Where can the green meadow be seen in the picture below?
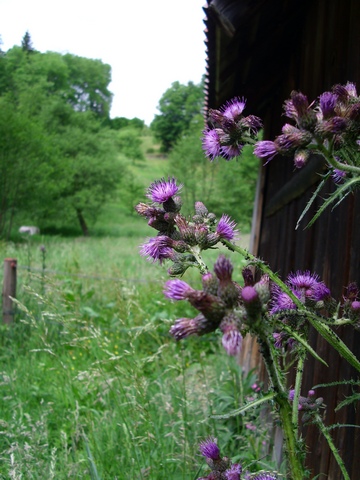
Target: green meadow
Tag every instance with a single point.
(91, 384)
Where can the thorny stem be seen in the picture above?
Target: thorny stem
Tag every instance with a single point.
(294, 449)
(202, 266)
(298, 381)
(334, 163)
(318, 421)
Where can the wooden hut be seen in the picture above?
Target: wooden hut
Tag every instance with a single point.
(262, 50)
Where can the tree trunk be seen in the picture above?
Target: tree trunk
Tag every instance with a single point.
(82, 221)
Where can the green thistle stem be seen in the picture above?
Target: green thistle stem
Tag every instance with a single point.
(298, 381)
(333, 162)
(201, 264)
(293, 447)
(320, 424)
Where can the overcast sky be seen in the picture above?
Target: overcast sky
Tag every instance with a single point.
(148, 43)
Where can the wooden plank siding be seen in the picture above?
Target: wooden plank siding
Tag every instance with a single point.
(263, 51)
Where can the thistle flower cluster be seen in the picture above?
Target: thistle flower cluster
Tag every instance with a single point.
(332, 122)
(308, 405)
(229, 130)
(180, 239)
(311, 291)
(222, 304)
(351, 304)
(223, 469)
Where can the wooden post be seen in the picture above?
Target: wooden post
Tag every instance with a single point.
(9, 289)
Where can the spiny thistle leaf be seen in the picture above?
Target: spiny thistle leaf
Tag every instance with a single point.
(335, 341)
(313, 197)
(239, 411)
(340, 194)
(303, 342)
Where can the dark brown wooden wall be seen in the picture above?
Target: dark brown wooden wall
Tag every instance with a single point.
(279, 46)
(328, 53)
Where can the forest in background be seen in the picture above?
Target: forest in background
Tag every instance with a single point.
(63, 160)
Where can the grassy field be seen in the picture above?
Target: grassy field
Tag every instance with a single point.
(92, 386)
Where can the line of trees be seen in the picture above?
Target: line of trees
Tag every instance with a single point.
(59, 150)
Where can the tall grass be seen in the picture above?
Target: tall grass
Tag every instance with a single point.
(91, 384)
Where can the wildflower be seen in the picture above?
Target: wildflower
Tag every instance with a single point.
(210, 283)
(309, 284)
(209, 449)
(300, 158)
(223, 268)
(292, 138)
(262, 288)
(355, 306)
(234, 108)
(177, 289)
(327, 102)
(297, 106)
(266, 149)
(162, 190)
(281, 300)
(334, 125)
(234, 472)
(184, 327)
(248, 276)
(157, 249)
(338, 175)
(211, 143)
(200, 209)
(231, 151)
(232, 338)
(264, 476)
(278, 339)
(253, 123)
(226, 228)
(252, 302)
(228, 290)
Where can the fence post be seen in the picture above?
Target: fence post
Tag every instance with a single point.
(9, 289)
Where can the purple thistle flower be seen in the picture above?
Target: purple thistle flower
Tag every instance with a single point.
(234, 472)
(231, 151)
(278, 339)
(300, 103)
(281, 301)
(338, 175)
(320, 292)
(223, 268)
(334, 125)
(249, 295)
(210, 283)
(351, 89)
(302, 280)
(291, 138)
(211, 143)
(266, 149)
(253, 123)
(226, 228)
(308, 283)
(291, 395)
(355, 306)
(328, 102)
(209, 449)
(162, 190)
(232, 338)
(184, 327)
(252, 302)
(177, 289)
(300, 158)
(234, 108)
(157, 248)
(265, 476)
